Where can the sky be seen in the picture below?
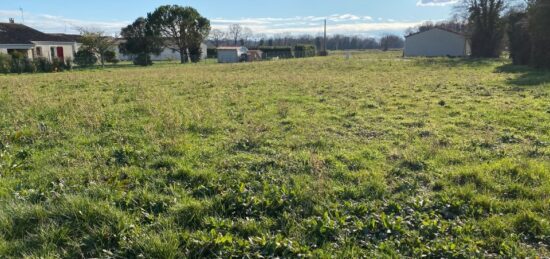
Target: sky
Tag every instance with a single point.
(350, 17)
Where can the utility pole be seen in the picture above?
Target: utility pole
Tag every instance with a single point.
(325, 38)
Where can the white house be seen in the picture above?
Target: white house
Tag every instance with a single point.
(166, 54)
(33, 44)
(436, 42)
(232, 54)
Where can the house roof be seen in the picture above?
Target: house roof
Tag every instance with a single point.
(14, 33)
(68, 37)
(230, 48)
(436, 28)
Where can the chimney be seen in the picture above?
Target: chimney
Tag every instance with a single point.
(12, 20)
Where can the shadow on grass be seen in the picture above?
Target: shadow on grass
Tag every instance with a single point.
(127, 64)
(456, 62)
(525, 76)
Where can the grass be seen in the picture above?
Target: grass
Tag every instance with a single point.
(322, 157)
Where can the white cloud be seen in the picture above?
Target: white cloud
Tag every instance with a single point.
(337, 24)
(436, 2)
(58, 24)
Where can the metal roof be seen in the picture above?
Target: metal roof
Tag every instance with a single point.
(436, 28)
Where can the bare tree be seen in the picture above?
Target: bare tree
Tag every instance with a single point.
(235, 31)
(246, 35)
(97, 42)
(217, 36)
(391, 42)
(454, 25)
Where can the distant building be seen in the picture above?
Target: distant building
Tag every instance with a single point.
(232, 54)
(31, 43)
(436, 42)
(254, 55)
(166, 54)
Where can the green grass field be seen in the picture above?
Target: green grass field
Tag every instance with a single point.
(320, 157)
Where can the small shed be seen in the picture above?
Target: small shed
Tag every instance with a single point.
(232, 54)
(436, 42)
(254, 55)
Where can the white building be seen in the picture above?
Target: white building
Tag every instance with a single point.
(232, 54)
(436, 42)
(166, 54)
(18, 38)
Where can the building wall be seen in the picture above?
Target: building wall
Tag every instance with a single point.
(68, 50)
(166, 54)
(228, 56)
(231, 55)
(435, 43)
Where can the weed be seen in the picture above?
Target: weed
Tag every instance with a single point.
(320, 157)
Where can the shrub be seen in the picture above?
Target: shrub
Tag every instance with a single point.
(29, 66)
(110, 57)
(195, 54)
(17, 65)
(43, 65)
(323, 53)
(304, 51)
(143, 60)
(85, 58)
(69, 63)
(5, 63)
(539, 18)
(17, 62)
(211, 53)
(519, 38)
(280, 52)
(58, 65)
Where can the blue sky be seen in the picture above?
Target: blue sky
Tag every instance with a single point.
(355, 17)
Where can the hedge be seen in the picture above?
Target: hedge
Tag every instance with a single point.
(21, 64)
(304, 51)
(280, 52)
(211, 53)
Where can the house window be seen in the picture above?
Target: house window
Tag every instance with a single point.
(39, 51)
(52, 53)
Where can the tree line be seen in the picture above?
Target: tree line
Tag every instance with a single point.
(181, 29)
(528, 32)
(238, 35)
(520, 26)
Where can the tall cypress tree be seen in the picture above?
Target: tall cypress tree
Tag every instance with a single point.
(518, 36)
(142, 40)
(539, 30)
(486, 27)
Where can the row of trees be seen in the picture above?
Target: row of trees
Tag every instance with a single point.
(522, 26)
(236, 34)
(452, 25)
(525, 25)
(529, 33)
(181, 29)
(240, 35)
